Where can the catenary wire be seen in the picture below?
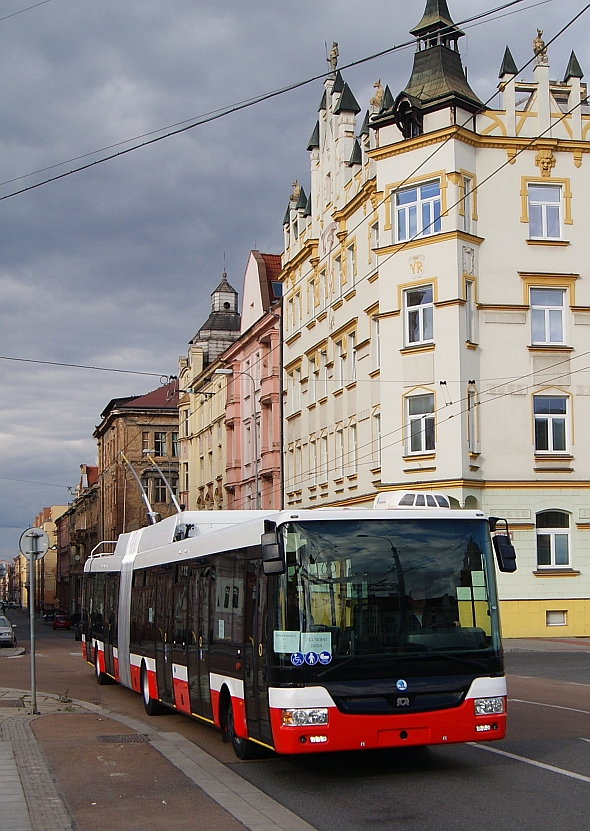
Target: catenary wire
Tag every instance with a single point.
(214, 115)
(28, 9)
(438, 148)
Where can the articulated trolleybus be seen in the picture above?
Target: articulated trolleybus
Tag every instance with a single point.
(306, 631)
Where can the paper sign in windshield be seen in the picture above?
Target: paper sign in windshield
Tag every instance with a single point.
(316, 642)
(286, 642)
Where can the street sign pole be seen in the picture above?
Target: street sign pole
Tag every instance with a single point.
(32, 569)
(33, 545)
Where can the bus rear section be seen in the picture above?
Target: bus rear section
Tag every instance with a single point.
(359, 630)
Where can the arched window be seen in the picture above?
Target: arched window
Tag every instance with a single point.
(553, 545)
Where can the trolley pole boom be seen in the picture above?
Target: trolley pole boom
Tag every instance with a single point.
(166, 482)
(151, 514)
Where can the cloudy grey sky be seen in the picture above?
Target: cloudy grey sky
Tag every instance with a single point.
(114, 266)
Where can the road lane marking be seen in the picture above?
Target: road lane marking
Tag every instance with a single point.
(553, 706)
(533, 762)
(535, 678)
(584, 740)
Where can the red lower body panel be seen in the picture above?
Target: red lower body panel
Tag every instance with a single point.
(354, 732)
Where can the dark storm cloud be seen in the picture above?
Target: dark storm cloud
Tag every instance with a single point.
(114, 266)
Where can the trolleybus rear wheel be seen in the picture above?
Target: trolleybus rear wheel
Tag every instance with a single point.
(101, 677)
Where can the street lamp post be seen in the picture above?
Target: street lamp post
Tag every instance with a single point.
(247, 374)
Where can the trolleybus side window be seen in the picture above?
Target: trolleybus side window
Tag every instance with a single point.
(97, 603)
(228, 576)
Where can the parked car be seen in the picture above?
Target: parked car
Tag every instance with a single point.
(61, 622)
(7, 636)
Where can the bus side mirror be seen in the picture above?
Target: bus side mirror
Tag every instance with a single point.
(505, 553)
(272, 560)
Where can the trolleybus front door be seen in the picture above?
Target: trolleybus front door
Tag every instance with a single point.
(164, 633)
(256, 654)
(110, 623)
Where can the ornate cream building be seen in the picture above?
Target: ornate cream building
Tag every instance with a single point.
(437, 309)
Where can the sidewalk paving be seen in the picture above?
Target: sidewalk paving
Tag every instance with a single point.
(78, 766)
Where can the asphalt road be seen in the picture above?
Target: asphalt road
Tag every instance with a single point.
(539, 777)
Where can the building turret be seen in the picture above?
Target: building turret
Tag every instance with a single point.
(222, 327)
(438, 80)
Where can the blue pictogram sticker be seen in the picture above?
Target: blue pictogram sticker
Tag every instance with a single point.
(297, 659)
(325, 657)
(401, 685)
(311, 658)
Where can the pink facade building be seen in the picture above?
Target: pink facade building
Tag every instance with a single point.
(253, 402)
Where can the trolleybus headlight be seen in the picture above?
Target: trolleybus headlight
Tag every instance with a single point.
(488, 706)
(301, 718)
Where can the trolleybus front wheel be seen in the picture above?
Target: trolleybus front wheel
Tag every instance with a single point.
(243, 748)
(152, 706)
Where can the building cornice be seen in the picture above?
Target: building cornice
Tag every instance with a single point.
(364, 194)
(511, 144)
(307, 252)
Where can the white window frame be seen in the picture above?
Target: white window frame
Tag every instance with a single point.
(420, 217)
(553, 429)
(556, 537)
(376, 337)
(313, 461)
(544, 316)
(339, 364)
(324, 466)
(339, 460)
(338, 276)
(542, 211)
(350, 265)
(312, 380)
(377, 438)
(472, 419)
(421, 427)
(353, 449)
(467, 184)
(351, 357)
(470, 320)
(422, 313)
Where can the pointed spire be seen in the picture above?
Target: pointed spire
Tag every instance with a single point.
(508, 65)
(574, 70)
(365, 128)
(388, 101)
(356, 155)
(307, 211)
(301, 200)
(347, 103)
(323, 102)
(338, 85)
(314, 140)
(287, 217)
(436, 16)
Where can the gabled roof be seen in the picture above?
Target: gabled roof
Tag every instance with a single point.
(574, 70)
(163, 398)
(347, 103)
(273, 265)
(508, 66)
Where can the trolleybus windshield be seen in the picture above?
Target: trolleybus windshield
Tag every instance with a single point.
(364, 596)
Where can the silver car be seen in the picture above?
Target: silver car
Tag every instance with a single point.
(7, 636)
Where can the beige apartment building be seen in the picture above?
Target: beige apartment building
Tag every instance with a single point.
(437, 309)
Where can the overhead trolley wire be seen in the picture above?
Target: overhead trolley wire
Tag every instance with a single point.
(232, 108)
